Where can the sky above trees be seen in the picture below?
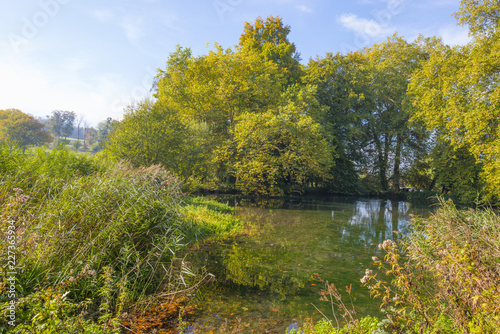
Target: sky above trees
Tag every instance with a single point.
(95, 57)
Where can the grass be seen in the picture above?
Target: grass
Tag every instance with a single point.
(95, 240)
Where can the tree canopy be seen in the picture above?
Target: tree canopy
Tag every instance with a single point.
(22, 129)
(457, 91)
(396, 114)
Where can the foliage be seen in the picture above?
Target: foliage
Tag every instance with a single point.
(104, 129)
(217, 87)
(97, 238)
(339, 84)
(10, 157)
(269, 39)
(368, 111)
(448, 170)
(385, 108)
(62, 122)
(50, 311)
(22, 129)
(457, 90)
(445, 278)
(367, 325)
(153, 134)
(278, 152)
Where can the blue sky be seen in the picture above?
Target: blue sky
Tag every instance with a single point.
(95, 57)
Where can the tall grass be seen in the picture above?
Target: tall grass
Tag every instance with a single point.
(98, 237)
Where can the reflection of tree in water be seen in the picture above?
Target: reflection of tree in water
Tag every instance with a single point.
(374, 221)
(259, 268)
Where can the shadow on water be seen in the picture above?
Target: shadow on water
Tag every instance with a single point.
(264, 279)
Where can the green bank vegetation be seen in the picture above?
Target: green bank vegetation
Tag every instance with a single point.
(89, 242)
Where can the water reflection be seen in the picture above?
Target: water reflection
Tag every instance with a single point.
(295, 239)
(378, 220)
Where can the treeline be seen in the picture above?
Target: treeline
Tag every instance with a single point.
(252, 118)
(21, 129)
(392, 117)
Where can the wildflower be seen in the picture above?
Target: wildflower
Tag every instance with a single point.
(386, 244)
(91, 272)
(71, 279)
(23, 198)
(374, 258)
(366, 278)
(293, 327)
(17, 191)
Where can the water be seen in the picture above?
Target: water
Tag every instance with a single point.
(264, 278)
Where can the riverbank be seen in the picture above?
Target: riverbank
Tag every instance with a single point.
(95, 247)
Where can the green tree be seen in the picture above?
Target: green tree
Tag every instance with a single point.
(217, 87)
(104, 129)
(62, 122)
(23, 129)
(387, 108)
(448, 169)
(269, 38)
(153, 134)
(457, 91)
(278, 152)
(368, 110)
(340, 81)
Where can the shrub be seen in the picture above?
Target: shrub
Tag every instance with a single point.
(446, 276)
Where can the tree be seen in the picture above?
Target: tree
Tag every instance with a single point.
(277, 152)
(104, 129)
(218, 87)
(457, 92)
(23, 129)
(62, 122)
(368, 110)
(80, 119)
(339, 81)
(269, 39)
(448, 170)
(387, 107)
(153, 134)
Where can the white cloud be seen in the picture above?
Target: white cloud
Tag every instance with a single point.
(305, 9)
(455, 35)
(370, 28)
(132, 26)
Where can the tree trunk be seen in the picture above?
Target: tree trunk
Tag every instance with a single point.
(397, 163)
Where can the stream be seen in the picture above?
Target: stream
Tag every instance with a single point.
(264, 278)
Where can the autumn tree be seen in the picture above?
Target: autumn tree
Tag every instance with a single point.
(278, 151)
(217, 87)
(23, 129)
